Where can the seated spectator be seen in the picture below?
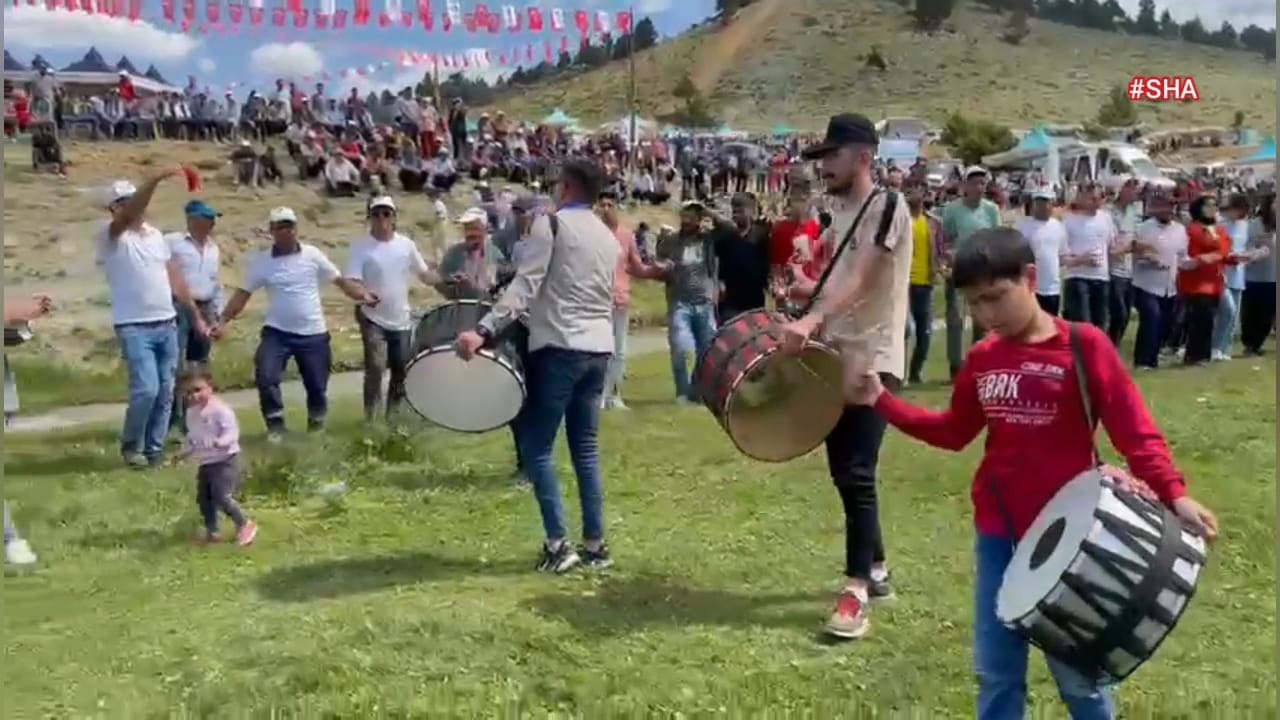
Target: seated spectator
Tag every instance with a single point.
(375, 171)
(443, 173)
(268, 168)
(412, 174)
(244, 165)
(311, 158)
(47, 151)
(341, 177)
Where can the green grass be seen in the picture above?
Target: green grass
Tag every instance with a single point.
(412, 596)
(50, 378)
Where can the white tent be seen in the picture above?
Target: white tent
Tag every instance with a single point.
(86, 80)
(622, 126)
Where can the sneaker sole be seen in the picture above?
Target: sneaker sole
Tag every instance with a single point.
(890, 597)
(567, 566)
(842, 634)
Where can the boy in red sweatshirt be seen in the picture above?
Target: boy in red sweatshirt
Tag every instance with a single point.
(1019, 385)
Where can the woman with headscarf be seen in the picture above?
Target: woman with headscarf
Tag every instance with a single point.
(1200, 279)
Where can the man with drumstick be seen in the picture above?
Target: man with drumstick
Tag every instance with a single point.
(564, 279)
(861, 311)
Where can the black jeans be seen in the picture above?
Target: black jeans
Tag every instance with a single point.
(1119, 306)
(312, 354)
(920, 305)
(1200, 312)
(384, 351)
(1257, 314)
(1155, 322)
(1049, 303)
(519, 334)
(853, 451)
(1086, 300)
(216, 485)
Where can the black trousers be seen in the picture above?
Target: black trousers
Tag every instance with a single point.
(1119, 308)
(1086, 300)
(1049, 303)
(1200, 312)
(853, 452)
(1257, 314)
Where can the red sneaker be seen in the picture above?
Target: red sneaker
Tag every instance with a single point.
(849, 619)
(246, 534)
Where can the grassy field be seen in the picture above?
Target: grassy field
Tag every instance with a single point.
(412, 596)
(48, 247)
(799, 61)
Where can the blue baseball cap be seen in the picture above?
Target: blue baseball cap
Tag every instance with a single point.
(200, 208)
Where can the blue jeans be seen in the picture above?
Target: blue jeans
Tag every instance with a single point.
(1224, 324)
(1155, 323)
(1086, 300)
(919, 324)
(312, 355)
(150, 352)
(564, 386)
(192, 349)
(1000, 654)
(689, 330)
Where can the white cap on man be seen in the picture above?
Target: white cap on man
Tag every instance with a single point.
(382, 201)
(283, 215)
(1043, 193)
(473, 215)
(975, 171)
(118, 191)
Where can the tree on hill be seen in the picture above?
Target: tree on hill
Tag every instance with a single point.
(1017, 29)
(684, 88)
(971, 139)
(930, 14)
(1146, 23)
(1260, 41)
(1226, 36)
(1193, 32)
(1118, 110)
(1169, 27)
(646, 35)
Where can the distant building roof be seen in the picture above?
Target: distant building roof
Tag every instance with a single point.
(11, 63)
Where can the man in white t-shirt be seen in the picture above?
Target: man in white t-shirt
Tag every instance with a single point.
(145, 283)
(292, 273)
(385, 262)
(1048, 240)
(1126, 213)
(1086, 290)
(197, 257)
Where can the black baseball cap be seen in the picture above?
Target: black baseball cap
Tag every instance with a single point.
(843, 129)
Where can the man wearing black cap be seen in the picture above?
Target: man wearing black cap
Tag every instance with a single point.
(861, 311)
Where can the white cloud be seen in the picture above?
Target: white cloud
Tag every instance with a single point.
(206, 65)
(398, 78)
(1239, 13)
(652, 7)
(36, 28)
(286, 60)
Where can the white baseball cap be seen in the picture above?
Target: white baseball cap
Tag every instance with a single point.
(283, 215)
(382, 201)
(975, 170)
(1043, 194)
(472, 215)
(118, 191)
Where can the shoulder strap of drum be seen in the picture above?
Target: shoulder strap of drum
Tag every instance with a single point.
(555, 225)
(1082, 384)
(835, 256)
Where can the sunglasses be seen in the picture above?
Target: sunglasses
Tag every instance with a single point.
(381, 214)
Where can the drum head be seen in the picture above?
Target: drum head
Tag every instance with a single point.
(785, 406)
(473, 396)
(1049, 546)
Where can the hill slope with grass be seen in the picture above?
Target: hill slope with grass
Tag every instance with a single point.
(798, 61)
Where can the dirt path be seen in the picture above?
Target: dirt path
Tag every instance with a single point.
(742, 34)
(342, 385)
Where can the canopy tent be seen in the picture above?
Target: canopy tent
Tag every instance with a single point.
(1265, 153)
(11, 63)
(92, 62)
(1037, 143)
(622, 126)
(559, 118)
(153, 74)
(93, 81)
(782, 130)
(126, 65)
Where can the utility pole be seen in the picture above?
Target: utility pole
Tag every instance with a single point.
(631, 91)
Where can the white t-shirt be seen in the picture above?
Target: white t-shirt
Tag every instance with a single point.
(199, 265)
(1048, 240)
(1157, 273)
(387, 268)
(293, 288)
(1090, 235)
(136, 265)
(1126, 222)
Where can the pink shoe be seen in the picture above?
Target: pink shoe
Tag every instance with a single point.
(246, 534)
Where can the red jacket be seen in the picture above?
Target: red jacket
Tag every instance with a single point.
(1026, 397)
(1205, 279)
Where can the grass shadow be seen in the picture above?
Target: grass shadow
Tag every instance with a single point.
(362, 575)
(147, 540)
(634, 604)
(416, 479)
(63, 463)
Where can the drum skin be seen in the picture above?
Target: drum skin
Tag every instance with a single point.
(774, 407)
(473, 396)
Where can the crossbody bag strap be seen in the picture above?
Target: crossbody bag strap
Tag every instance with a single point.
(1082, 384)
(844, 243)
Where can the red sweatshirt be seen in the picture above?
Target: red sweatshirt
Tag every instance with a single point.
(1026, 397)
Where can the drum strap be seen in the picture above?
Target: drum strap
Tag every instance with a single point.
(1082, 383)
(886, 219)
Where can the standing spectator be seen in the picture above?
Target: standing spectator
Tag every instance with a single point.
(1258, 302)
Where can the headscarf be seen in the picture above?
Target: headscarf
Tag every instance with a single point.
(1196, 210)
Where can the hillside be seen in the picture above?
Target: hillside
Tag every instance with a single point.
(797, 61)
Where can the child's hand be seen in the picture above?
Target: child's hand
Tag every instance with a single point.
(1198, 517)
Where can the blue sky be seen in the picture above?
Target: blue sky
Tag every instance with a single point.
(254, 60)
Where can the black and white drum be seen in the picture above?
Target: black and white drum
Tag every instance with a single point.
(1101, 578)
(473, 396)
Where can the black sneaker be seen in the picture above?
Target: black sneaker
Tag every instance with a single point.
(597, 559)
(558, 561)
(880, 589)
(315, 425)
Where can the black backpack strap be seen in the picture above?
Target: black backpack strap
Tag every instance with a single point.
(555, 225)
(839, 250)
(886, 218)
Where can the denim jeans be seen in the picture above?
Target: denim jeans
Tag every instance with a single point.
(384, 350)
(564, 386)
(955, 327)
(150, 352)
(1119, 307)
(920, 316)
(312, 355)
(1000, 654)
(618, 362)
(191, 349)
(1086, 300)
(1155, 322)
(689, 330)
(1224, 324)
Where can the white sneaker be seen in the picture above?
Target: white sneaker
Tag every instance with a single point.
(18, 552)
(1219, 356)
(615, 403)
